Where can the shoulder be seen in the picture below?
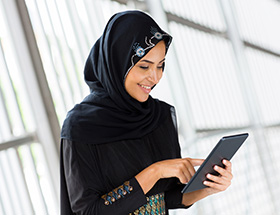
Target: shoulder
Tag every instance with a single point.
(170, 111)
(166, 105)
(168, 108)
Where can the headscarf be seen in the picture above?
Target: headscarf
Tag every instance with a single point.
(109, 113)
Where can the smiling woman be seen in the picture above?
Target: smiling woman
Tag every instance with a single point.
(119, 150)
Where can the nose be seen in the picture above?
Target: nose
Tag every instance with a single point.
(155, 76)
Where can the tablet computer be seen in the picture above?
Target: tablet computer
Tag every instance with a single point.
(225, 149)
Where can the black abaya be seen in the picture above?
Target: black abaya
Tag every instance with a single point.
(92, 170)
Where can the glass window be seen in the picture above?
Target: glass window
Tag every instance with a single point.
(25, 182)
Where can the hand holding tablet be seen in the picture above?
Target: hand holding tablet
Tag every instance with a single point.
(225, 149)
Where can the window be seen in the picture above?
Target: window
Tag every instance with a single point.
(222, 76)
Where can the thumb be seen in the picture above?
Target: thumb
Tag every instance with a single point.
(196, 161)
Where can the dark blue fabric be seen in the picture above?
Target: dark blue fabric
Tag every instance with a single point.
(109, 113)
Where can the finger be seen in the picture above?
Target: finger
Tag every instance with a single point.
(191, 171)
(219, 180)
(182, 177)
(214, 178)
(228, 165)
(223, 172)
(188, 176)
(188, 171)
(215, 186)
(182, 172)
(189, 167)
(196, 161)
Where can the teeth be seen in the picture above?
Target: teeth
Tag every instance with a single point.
(146, 87)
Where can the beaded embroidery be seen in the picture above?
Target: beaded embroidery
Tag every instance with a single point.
(138, 49)
(155, 205)
(156, 34)
(117, 193)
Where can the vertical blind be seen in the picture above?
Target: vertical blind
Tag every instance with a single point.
(65, 32)
(218, 103)
(24, 177)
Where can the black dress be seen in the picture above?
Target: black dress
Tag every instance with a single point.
(94, 175)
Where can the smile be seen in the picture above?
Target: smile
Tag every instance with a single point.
(146, 87)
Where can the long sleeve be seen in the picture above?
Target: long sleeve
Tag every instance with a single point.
(86, 190)
(173, 197)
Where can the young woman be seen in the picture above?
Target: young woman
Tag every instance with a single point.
(119, 150)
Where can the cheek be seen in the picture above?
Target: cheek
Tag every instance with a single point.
(131, 80)
(160, 75)
(136, 77)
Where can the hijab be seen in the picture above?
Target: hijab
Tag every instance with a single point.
(109, 113)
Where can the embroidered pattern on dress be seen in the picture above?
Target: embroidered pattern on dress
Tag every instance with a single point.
(117, 193)
(155, 205)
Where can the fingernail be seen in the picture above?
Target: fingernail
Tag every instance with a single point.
(205, 182)
(216, 167)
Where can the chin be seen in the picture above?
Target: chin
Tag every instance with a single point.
(142, 99)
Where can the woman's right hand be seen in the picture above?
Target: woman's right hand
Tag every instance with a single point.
(182, 168)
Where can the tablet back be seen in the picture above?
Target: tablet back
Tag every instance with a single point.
(225, 149)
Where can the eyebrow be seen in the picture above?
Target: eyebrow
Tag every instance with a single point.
(147, 61)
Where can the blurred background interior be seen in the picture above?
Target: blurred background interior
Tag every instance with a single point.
(222, 75)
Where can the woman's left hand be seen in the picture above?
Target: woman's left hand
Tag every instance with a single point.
(216, 185)
(221, 182)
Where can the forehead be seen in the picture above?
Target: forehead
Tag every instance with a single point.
(157, 53)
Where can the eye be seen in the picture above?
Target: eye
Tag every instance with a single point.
(161, 66)
(144, 67)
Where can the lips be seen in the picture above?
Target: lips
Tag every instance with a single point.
(146, 89)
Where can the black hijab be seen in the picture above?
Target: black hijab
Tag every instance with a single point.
(109, 113)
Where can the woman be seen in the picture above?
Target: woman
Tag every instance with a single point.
(119, 150)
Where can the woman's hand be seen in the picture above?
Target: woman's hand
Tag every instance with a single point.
(218, 184)
(221, 182)
(182, 168)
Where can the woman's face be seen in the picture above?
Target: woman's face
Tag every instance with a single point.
(146, 73)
